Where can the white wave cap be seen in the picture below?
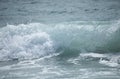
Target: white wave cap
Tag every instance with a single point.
(22, 43)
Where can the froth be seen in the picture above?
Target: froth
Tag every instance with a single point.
(24, 42)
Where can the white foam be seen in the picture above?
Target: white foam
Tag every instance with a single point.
(112, 62)
(24, 42)
(95, 55)
(105, 59)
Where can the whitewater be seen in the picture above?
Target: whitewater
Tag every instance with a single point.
(59, 39)
(67, 50)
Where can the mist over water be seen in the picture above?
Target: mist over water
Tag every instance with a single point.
(41, 39)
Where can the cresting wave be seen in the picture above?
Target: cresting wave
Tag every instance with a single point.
(35, 40)
(24, 42)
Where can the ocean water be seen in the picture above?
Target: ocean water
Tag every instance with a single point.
(53, 39)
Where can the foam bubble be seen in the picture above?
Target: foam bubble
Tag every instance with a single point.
(95, 55)
(113, 61)
(24, 42)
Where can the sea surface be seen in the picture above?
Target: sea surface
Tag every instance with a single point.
(59, 39)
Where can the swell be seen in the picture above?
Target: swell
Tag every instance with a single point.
(35, 40)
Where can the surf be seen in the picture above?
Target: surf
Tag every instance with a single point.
(36, 40)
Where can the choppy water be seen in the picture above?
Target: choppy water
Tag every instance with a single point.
(37, 42)
(55, 11)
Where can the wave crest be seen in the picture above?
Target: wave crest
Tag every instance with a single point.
(34, 40)
(19, 42)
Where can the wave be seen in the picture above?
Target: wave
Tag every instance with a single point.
(35, 40)
(24, 42)
(111, 60)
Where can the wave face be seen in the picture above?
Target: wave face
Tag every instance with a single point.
(34, 40)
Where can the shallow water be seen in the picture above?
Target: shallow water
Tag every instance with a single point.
(81, 67)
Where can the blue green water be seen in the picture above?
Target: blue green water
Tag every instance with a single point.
(75, 50)
(59, 39)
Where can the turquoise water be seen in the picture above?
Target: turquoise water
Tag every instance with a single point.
(59, 68)
(59, 39)
(70, 50)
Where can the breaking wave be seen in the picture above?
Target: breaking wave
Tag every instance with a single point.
(24, 42)
(35, 40)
